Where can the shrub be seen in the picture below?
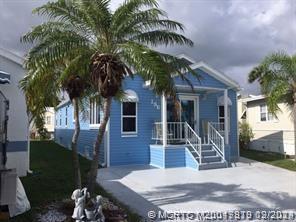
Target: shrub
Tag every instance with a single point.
(245, 135)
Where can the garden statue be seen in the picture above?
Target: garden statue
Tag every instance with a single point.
(95, 214)
(80, 198)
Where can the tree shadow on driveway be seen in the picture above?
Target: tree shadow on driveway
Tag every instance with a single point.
(216, 193)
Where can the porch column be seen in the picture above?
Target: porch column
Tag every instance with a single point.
(226, 123)
(164, 120)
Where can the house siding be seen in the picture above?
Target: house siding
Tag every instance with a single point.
(276, 135)
(157, 156)
(18, 123)
(190, 162)
(174, 157)
(85, 142)
(171, 156)
(134, 149)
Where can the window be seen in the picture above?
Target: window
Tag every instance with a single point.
(48, 120)
(66, 117)
(222, 118)
(129, 118)
(264, 114)
(60, 118)
(94, 112)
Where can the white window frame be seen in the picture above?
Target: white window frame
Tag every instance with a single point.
(60, 119)
(94, 125)
(66, 116)
(48, 118)
(273, 119)
(134, 133)
(228, 117)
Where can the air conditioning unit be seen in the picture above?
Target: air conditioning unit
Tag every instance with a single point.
(7, 186)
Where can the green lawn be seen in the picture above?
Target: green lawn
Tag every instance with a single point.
(274, 159)
(52, 179)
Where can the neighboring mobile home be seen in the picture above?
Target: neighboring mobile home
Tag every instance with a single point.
(143, 127)
(11, 72)
(49, 121)
(275, 134)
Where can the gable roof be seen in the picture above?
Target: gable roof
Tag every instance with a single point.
(11, 56)
(216, 74)
(211, 71)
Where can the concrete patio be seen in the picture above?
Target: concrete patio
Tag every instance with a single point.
(248, 185)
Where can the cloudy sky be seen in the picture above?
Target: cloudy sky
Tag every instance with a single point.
(231, 35)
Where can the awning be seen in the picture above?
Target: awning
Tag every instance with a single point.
(130, 96)
(220, 101)
(4, 77)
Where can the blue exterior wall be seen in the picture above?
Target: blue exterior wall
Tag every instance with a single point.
(190, 162)
(171, 156)
(174, 157)
(87, 137)
(134, 149)
(157, 156)
(86, 141)
(208, 109)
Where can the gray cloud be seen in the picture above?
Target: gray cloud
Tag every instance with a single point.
(231, 35)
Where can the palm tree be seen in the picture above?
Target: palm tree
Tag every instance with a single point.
(277, 77)
(42, 89)
(111, 44)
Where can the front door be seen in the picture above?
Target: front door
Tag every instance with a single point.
(189, 112)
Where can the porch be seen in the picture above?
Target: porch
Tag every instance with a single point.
(188, 141)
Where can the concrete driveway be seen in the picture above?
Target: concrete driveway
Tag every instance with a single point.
(249, 185)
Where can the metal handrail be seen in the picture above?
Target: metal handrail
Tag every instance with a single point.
(193, 140)
(217, 140)
(175, 132)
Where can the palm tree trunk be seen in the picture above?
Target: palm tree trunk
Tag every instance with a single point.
(95, 162)
(294, 119)
(75, 157)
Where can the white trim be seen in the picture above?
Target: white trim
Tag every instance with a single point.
(164, 120)
(94, 126)
(129, 134)
(229, 112)
(226, 123)
(273, 120)
(216, 74)
(11, 56)
(96, 117)
(66, 116)
(130, 96)
(183, 56)
(195, 99)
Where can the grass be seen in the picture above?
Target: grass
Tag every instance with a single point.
(52, 179)
(274, 159)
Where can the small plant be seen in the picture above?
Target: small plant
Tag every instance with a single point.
(245, 135)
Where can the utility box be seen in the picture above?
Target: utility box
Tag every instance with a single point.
(8, 186)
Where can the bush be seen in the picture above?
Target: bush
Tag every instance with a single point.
(245, 135)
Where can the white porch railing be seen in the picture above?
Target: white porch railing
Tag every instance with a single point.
(193, 140)
(178, 133)
(220, 127)
(175, 132)
(216, 139)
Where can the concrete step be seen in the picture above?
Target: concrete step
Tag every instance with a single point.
(206, 147)
(210, 159)
(213, 165)
(208, 153)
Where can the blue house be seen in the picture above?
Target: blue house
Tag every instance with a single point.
(146, 129)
